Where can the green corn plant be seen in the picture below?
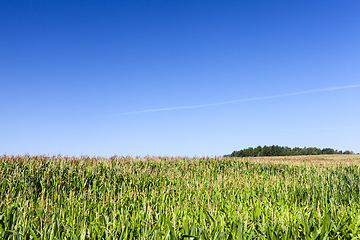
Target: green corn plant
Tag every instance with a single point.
(59, 197)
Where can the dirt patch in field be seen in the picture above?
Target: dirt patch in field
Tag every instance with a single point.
(335, 159)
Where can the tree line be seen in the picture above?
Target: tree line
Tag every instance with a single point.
(283, 151)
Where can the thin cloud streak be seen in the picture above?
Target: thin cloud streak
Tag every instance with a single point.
(241, 100)
(314, 129)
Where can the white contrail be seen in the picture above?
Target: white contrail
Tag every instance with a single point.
(241, 100)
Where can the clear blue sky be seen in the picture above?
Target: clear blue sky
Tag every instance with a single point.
(70, 69)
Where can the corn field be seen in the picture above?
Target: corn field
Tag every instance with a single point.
(59, 197)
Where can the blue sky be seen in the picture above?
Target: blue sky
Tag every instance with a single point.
(69, 70)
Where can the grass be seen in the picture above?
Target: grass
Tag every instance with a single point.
(304, 197)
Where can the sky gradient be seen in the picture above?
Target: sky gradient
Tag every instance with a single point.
(72, 71)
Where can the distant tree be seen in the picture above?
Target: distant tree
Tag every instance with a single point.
(313, 151)
(303, 151)
(328, 151)
(265, 151)
(296, 150)
(284, 151)
(257, 151)
(288, 151)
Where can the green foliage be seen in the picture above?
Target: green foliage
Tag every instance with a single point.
(175, 198)
(283, 151)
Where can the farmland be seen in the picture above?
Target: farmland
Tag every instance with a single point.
(300, 197)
